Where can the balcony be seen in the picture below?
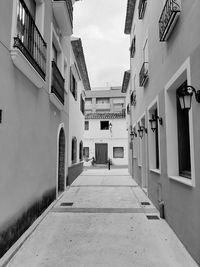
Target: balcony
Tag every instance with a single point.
(141, 8)
(57, 87)
(29, 48)
(63, 12)
(143, 75)
(168, 18)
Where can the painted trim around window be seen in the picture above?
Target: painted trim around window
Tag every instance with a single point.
(181, 74)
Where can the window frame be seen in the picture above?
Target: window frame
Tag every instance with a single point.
(74, 150)
(154, 151)
(182, 74)
(86, 128)
(73, 84)
(106, 127)
(122, 152)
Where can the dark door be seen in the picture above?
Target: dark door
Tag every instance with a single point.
(101, 153)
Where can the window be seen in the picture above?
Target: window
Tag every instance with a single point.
(82, 104)
(73, 85)
(81, 151)
(102, 101)
(86, 152)
(179, 130)
(104, 125)
(154, 154)
(74, 150)
(86, 125)
(118, 152)
(141, 8)
(183, 136)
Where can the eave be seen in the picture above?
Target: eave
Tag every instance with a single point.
(126, 80)
(129, 16)
(80, 60)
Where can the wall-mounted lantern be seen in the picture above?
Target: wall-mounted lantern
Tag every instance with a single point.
(133, 134)
(141, 131)
(153, 122)
(110, 126)
(185, 94)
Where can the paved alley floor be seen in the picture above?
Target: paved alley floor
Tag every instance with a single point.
(101, 221)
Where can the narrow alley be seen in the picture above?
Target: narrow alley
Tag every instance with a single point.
(103, 219)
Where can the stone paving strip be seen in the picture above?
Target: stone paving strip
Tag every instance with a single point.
(105, 210)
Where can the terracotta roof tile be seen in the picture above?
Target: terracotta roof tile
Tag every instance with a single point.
(105, 116)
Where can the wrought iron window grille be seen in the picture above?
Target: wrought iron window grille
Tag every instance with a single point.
(168, 18)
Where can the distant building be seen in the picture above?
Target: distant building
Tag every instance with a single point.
(105, 135)
(164, 147)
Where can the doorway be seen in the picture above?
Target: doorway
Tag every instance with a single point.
(101, 153)
(61, 162)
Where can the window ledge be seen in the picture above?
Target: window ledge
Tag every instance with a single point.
(183, 180)
(156, 171)
(56, 101)
(26, 68)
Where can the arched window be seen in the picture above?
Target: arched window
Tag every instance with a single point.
(81, 151)
(74, 150)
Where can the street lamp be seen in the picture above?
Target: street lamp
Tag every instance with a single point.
(185, 94)
(153, 122)
(141, 130)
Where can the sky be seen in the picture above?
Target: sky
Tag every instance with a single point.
(100, 25)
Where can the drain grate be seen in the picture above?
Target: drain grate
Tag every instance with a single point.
(145, 203)
(152, 217)
(66, 204)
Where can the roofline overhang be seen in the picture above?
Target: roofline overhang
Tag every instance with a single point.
(80, 60)
(129, 16)
(126, 79)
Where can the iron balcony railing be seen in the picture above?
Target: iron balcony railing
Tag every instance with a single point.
(57, 85)
(141, 8)
(69, 8)
(168, 18)
(143, 75)
(29, 40)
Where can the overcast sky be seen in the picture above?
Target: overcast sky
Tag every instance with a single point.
(100, 25)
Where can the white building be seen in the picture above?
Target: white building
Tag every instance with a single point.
(105, 135)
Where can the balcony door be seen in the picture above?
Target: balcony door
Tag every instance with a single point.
(101, 153)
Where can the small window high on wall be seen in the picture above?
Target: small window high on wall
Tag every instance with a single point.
(86, 125)
(104, 125)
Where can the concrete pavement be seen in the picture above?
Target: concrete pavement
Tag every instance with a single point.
(106, 226)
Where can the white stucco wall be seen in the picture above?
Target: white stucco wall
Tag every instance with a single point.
(117, 137)
(76, 119)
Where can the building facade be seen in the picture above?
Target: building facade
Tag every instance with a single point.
(36, 61)
(163, 137)
(105, 135)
